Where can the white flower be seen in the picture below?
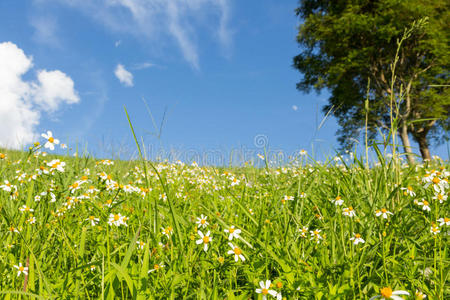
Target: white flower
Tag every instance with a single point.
(357, 239)
(265, 289)
(167, 231)
(383, 212)
(349, 212)
(443, 221)
(94, 221)
(56, 164)
(441, 197)
(260, 156)
(425, 205)
(21, 269)
(25, 208)
(236, 251)
(51, 141)
(7, 187)
(408, 191)
(234, 233)
(387, 293)
(315, 235)
(156, 267)
(304, 231)
(434, 229)
(205, 240)
(420, 295)
(202, 221)
(303, 152)
(141, 244)
(338, 201)
(117, 220)
(63, 146)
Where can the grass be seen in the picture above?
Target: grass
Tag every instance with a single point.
(156, 255)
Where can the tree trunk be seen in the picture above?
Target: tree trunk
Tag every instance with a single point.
(423, 145)
(403, 132)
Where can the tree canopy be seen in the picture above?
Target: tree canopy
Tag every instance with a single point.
(344, 44)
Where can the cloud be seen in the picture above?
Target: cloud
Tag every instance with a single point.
(157, 20)
(125, 77)
(45, 30)
(117, 43)
(294, 107)
(22, 102)
(144, 65)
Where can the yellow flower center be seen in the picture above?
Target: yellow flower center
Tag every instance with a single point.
(440, 197)
(116, 217)
(156, 267)
(202, 221)
(316, 232)
(265, 291)
(51, 139)
(425, 203)
(2, 156)
(206, 239)
(446, 220)
(386, 292)
(435, 229)
(357, 236)
(279, 284)
(237, 251)
(350, 208)
(436, 180)
(383, 210)
(410, 188)
(91, 218)
(21, 269)
(231, 230)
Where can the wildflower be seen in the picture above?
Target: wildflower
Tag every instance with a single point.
(117, 220)
(408, 191)
(265, 289)
(260, 156)
(94, 221)
(303, 231)
(205, 240)
(21, 269)
(234, 233)
(441, 197)
(303, 152)
(92, 268)
(387, 293)
(202, 221)
(51, 141)
(349, 212)
(434, 229)
(383, 212)
(425, 205)
(56, 164)
(141, 244)
(357, 239)
(2, 156)
(315, 234)
(7, 186)
(443, 221)
(167, 231)
(25, 208)
(156, 267)
(237, 252)
(419, 295)
(63, 146)
(338, 201)
(12, 229)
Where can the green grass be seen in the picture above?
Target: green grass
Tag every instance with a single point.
(68, 258)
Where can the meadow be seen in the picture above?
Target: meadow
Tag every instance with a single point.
(77, 227)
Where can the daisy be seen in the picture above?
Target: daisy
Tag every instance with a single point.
(303, 152)
(202, 221)
(383, 212)
(237, 252)
(315, 234)
(420, 295)
(434, 229)
(63, 146)
(56, 164)
(7, 186)
(260, 156)
(265, 289)
(357, 239)
(304, 231)
(338, 201)
(21, 269)
(156, 267)
(443, 221)
(94, 221)
(141, 244)
(441, 197)
(167, 231)
(408, 191)
(205, 240)
(117, 220)
(234, 232)
(425, 205)
(51, 141)
(348, 211)
(387, 293)
(25, 208)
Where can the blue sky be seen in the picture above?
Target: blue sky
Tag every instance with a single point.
(222, 69)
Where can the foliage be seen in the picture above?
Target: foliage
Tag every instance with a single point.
(346, 43)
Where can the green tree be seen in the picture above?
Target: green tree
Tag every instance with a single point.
(344, 44)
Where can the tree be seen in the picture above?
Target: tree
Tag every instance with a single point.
(346, 44)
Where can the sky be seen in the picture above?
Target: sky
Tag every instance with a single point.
(199, 79)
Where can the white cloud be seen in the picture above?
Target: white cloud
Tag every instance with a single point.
(117, 43)
(155, 20)
(22, 102)
(294, 107)
(125, 77)
(45, 30)
(144, 65)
